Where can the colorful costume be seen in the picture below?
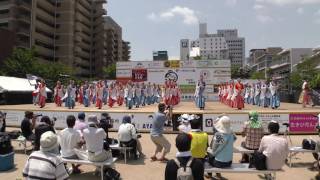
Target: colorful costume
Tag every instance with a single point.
(58, 95)
(199, 94)
(274, 101)
(42, 95)
(305, 97)
(238, 100)
(99, 95)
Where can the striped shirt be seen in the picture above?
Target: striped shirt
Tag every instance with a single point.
(44, 166)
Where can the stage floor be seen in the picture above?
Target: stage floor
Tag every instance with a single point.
(183, 107)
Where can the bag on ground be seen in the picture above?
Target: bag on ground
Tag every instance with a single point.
(5, 144)
(308, 144)
(184, 173)
(111, 174)
(258, 160)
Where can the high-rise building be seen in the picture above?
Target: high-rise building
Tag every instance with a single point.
(184, 49)
(70, 32)
(160, 55)
(126, 51)
(6, 48)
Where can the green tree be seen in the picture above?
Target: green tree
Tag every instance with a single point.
(240, 72)
(110, 71)
(197, 57)
(257, 75)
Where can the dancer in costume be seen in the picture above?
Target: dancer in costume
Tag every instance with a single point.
(71, 95)
(274, 101)
(200, 93)
(42, 94)
(112, 95)
(86, 94)
(238, 101)
(120, 94)
(230, 93)
(263, 92)
(99, 95)
(247, 94)
(149, 92)
(58, 94)
(138, 95)
(257, 90)
(129, 95)
(305, 96)
(252, 93)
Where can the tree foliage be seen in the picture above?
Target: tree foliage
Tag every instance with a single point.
(240, 72)
(257, 75)
(110, 71)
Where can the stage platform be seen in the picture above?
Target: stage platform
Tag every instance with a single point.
(287, 113)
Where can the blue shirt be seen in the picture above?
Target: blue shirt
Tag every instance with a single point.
(223, 147)
(157, 124)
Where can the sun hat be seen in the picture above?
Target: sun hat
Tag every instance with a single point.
(254, 120)
(224, 125)
(184, 118)
(48, 141)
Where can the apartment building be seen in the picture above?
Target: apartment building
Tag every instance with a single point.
(6, 48)
(126, 50)
(70, 32)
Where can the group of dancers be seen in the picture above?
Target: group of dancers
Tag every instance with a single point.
(100, 93)
(235, 94)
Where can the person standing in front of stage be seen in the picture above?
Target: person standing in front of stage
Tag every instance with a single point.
(238, 100)
(274, 101)
(305, 95)
(156, 133)
(58, 94)
(200, 94)
(42, 94)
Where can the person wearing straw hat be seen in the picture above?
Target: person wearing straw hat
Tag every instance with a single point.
(253, 133)
(46, 164)
(185, 123)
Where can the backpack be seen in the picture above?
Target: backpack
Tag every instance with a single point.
(308, 144)
(184, 173)
(5, 144)
(111, 174)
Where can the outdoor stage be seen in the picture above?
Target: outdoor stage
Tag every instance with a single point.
(300, 119)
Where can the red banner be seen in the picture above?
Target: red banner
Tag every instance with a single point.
(139, 75)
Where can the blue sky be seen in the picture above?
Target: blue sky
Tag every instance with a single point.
(160, 24)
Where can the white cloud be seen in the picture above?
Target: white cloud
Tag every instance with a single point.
(258, 7)
(188, 15)
(264, 19)
(231, 2)
(288, 2)
(300, 10)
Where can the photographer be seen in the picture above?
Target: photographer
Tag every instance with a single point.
(106, 123)
(45, 125)
(2, 122)
(28, 124)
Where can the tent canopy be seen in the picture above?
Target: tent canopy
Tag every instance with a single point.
(13, 84)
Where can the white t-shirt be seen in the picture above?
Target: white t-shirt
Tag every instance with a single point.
(126, 132)
(69, 139)
(94, 138)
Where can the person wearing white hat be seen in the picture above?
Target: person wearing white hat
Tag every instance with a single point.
(46, 164)
(222, 146)
(185, 123)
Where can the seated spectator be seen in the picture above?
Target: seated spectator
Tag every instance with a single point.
(28, 124)
(2, 122)
(253, 133)
(44, 126)
(105, 123)
(94, 138)
(127, 135)
(222, 146)
(45, 164)
(81, 122)
(183, 157)
(274, 147)
(69, 139)
(184, 123)
(199, 142)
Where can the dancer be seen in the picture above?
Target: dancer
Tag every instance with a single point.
(71, 95)
(149, 92)
(247, 94)
(305, 95)
(42, 94)
(86, 94)
(120, 94)
(112, 95)
(252, 93)
(238, 100)
(257, 90)
(275, 101)
(263, 100)
(58, 94)
(200, 93)
(99, 95)
(230, 93)
(137, 95)
(129, 95)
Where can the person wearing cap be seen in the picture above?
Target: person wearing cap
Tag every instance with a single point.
(81, 122)
(274, 147)
(105, 123)
(222, 146)
(253, 133)
(2, 122)
(157, 134)
(46, 163)
(199, 143)
(185, 123)
(127, 135)
(94, 138)
(44, 126)
(183, 157)
(28, 124)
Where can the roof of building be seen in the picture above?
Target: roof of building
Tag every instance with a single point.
(14, 84)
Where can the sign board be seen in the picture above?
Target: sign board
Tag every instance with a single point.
(303, 122)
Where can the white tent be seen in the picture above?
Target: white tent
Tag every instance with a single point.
(13, 84)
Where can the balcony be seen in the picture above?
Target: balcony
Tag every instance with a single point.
(23, 5)
(279, 63)
(23, 19)
(23, 32)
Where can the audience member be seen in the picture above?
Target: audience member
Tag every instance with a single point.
(105, 123)
(69, 139)
(157, 134)
(2, 122)
(185, 123)
(94, 138)
(44, 126)
(127, 135)
(81, 122)
(199, 142)
(274, 147)
(46, 164)
(28, 124)
(253, 133)
(184, 159)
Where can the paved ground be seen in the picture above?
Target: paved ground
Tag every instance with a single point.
(147, 170)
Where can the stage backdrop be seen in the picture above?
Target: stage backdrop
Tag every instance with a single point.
(185, 73)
